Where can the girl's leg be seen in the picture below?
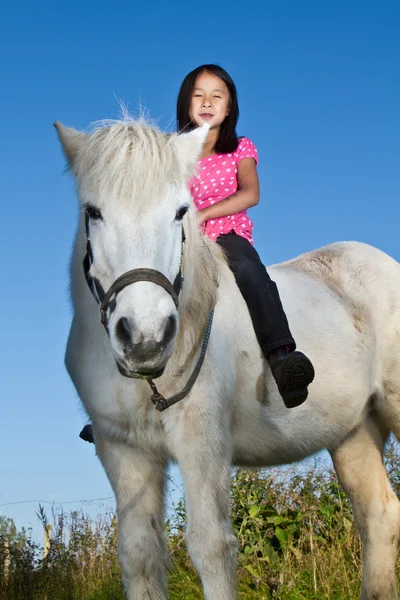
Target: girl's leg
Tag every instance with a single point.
(260, 293)
(292, 370)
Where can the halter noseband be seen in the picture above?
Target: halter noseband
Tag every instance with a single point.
(104, 299)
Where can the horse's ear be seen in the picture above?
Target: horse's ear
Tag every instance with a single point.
(71, 141)
(189, 146)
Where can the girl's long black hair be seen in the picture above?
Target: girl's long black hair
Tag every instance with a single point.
(227, 140)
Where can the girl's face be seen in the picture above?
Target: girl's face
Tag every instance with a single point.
(210, 101)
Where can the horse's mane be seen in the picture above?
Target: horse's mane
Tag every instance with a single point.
(127, 157)
(200, 268)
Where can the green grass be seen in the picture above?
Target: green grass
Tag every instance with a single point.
(297, 541)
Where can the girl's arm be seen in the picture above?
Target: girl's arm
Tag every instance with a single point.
(248, 194)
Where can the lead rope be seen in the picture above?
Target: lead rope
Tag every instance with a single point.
(159, 401)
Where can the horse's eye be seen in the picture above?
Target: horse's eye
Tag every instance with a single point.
(181, 213)
(93, 212)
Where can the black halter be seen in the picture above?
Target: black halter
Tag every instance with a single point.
(94, 284)
(107, 301)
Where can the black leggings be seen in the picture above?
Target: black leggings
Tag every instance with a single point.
(260, 293)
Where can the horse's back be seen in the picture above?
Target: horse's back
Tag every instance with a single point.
(362, 278)
(349, 283)
(334, 263)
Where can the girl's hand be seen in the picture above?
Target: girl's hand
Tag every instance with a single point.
(200, 217)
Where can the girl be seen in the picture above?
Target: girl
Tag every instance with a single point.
(224, 188)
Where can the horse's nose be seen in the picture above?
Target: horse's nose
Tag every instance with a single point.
(135, 341)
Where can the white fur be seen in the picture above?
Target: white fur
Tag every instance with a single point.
(343, 306)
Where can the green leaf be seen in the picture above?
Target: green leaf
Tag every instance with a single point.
(347, 524)
(282, 538)
(327, 510)
(252, 571)
(254, 510)
(269, 554)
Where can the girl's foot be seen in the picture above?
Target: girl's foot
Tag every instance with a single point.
(293, 372)
(87, 434)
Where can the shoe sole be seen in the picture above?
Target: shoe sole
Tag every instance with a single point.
(298, 374)
(87, 434)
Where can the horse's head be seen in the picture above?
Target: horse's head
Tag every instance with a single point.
(132, 183)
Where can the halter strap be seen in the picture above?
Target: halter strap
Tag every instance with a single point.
(143, 274)
(132, 277)
(94, 284)
(104, 299)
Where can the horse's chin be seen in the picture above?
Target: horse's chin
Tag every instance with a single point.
(145, 374)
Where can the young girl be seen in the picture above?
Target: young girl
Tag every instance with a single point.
(224, 188)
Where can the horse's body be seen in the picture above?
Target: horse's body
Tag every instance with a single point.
(343, 306)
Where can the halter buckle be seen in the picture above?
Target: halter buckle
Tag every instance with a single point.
(157, 399)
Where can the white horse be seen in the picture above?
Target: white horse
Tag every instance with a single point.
(342, 303)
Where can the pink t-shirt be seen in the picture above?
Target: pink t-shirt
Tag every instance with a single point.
(216, 179)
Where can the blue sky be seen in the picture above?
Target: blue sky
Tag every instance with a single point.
(319, 94)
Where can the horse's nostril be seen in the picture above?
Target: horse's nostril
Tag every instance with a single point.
(134, 341)
(170, 329)
(123, 331)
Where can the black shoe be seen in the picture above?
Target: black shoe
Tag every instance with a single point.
(87, 434)
(293, 372)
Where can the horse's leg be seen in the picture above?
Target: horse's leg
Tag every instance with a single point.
(204, 457)
(358, 463)
(138, 484)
